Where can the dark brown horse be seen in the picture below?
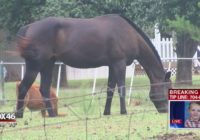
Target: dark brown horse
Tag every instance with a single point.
(109, 40)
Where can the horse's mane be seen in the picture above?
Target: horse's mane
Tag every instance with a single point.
(143, 35)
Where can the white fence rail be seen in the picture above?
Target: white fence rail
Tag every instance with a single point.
(164, 46)
(94, 74)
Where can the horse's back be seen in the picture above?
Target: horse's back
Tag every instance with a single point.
(83, 43)
(101, 40)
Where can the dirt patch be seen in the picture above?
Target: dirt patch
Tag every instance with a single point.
(186, 136)
(135, 102)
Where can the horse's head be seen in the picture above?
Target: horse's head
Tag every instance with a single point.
(159, 93)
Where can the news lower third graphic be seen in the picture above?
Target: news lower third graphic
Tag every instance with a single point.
(7, 119)
(184, 108)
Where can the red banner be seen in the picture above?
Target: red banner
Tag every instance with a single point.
(184, 94)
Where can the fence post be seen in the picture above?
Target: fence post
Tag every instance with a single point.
(131, 84)
(94, 81)
(58, 80)
(2, 94)
(22, 72)
(157, 40)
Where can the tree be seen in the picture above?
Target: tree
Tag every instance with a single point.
(182, 16)
(187, 41)
(16, 13)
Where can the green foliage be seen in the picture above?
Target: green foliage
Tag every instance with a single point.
(15, 13)
(51, 8)
(182, 8)
(184, 26)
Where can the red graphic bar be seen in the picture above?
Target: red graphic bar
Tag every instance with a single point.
(7, 120)
(184, 94)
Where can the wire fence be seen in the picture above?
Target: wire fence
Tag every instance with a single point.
(102, 72)
(84, 118)
(81, 114)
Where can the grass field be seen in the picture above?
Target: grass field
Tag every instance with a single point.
(84, 117)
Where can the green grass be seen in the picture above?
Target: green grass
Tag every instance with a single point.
(102, 83)
(84, 116)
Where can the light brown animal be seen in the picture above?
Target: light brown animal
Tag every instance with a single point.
(34, 101)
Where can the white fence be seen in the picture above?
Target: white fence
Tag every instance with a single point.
(101, 72)
(164, 46)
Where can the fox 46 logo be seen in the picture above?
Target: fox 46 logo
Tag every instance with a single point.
(7, 117)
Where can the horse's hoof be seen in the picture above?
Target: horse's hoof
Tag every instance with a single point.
(18, 115)
(106, 113)
(123, 112)
(52, 115)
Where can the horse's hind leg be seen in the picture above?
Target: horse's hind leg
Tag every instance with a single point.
(46, 79)
(110, 91)
(30, 75)
(120, 73)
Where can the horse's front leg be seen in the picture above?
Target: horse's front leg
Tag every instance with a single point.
(110, 91)
(120, 73)
(46, 79)
(29, 78)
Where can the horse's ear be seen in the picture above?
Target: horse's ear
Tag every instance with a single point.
(167, 75)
